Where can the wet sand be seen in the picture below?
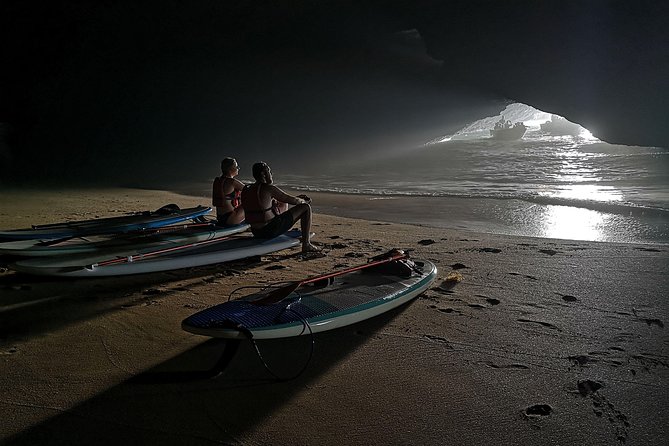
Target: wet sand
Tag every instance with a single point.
(542, 342)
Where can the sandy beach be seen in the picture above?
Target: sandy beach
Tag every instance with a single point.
(544, 341)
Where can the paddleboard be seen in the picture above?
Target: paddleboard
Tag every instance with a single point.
(341, 301)
(148, 261)
(167, 215)
(118, 244)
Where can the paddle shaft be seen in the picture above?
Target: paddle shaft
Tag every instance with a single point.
(285, 291)
(139, 257)
(138, 233)
(353, 268)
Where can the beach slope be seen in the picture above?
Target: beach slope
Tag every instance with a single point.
(531, 341)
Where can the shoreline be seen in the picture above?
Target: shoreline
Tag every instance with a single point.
(543, 340)
(505, 217)
(501, 216)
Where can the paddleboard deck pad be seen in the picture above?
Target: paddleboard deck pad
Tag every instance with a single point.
(167, 215)
(323, 306)
(197, 254)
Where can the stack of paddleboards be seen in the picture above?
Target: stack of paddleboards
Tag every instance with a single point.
(141, 221)
(135, 244)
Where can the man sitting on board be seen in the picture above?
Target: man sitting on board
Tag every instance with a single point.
(266, 208)
(226, 194)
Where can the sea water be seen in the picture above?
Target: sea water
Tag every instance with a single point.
(567, 187)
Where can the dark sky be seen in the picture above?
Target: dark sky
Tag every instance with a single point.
(122, 92)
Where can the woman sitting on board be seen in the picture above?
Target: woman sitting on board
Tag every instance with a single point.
(226, 194)
(266, 208)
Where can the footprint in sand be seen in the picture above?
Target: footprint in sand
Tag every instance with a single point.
(550, 252)
(438, 339)
(446, 310)
(587, 387)
(649, 249)
(582, 360)
(543, 324)
(538, 410)
(490, 300)
(524, 275)
(602, 407)
(354, 254)
(505, 366)
(9, 351)
(650, 322)
(493, 250)
(426, 242)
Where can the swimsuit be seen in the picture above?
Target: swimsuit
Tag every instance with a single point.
(274, 227)
(218, 198)
(254, 215)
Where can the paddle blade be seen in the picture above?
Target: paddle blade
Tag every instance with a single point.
(278, 295)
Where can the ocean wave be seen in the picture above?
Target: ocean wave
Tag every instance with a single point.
(612, 207)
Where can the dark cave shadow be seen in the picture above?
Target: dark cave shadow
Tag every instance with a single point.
(198, 411)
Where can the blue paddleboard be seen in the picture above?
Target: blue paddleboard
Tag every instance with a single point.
(167, 215)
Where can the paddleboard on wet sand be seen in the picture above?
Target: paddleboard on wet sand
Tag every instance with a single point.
(320, 306)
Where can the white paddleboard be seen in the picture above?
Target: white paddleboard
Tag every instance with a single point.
(203, 253)
(350, 298)
(119, 244)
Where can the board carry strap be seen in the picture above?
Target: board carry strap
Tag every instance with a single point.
(285, 291)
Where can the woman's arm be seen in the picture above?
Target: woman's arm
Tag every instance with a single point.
(283, 197)
(238, 185)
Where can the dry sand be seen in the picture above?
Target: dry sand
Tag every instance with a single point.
(543, 342)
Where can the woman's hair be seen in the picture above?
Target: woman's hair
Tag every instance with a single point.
(227, 164)
(259, 169)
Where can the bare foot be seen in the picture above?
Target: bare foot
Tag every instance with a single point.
(310, 248)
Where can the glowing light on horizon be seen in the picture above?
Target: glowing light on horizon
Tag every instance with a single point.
(586, 134)
(531, 117)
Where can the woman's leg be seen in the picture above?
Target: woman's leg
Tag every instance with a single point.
(236, 216)
(302, 212)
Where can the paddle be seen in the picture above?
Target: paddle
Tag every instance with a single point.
(139, 257)
(128, 235)
(283, 292)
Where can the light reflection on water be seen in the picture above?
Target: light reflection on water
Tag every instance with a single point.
(558, 188)
(590, 192)
(572, 223)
